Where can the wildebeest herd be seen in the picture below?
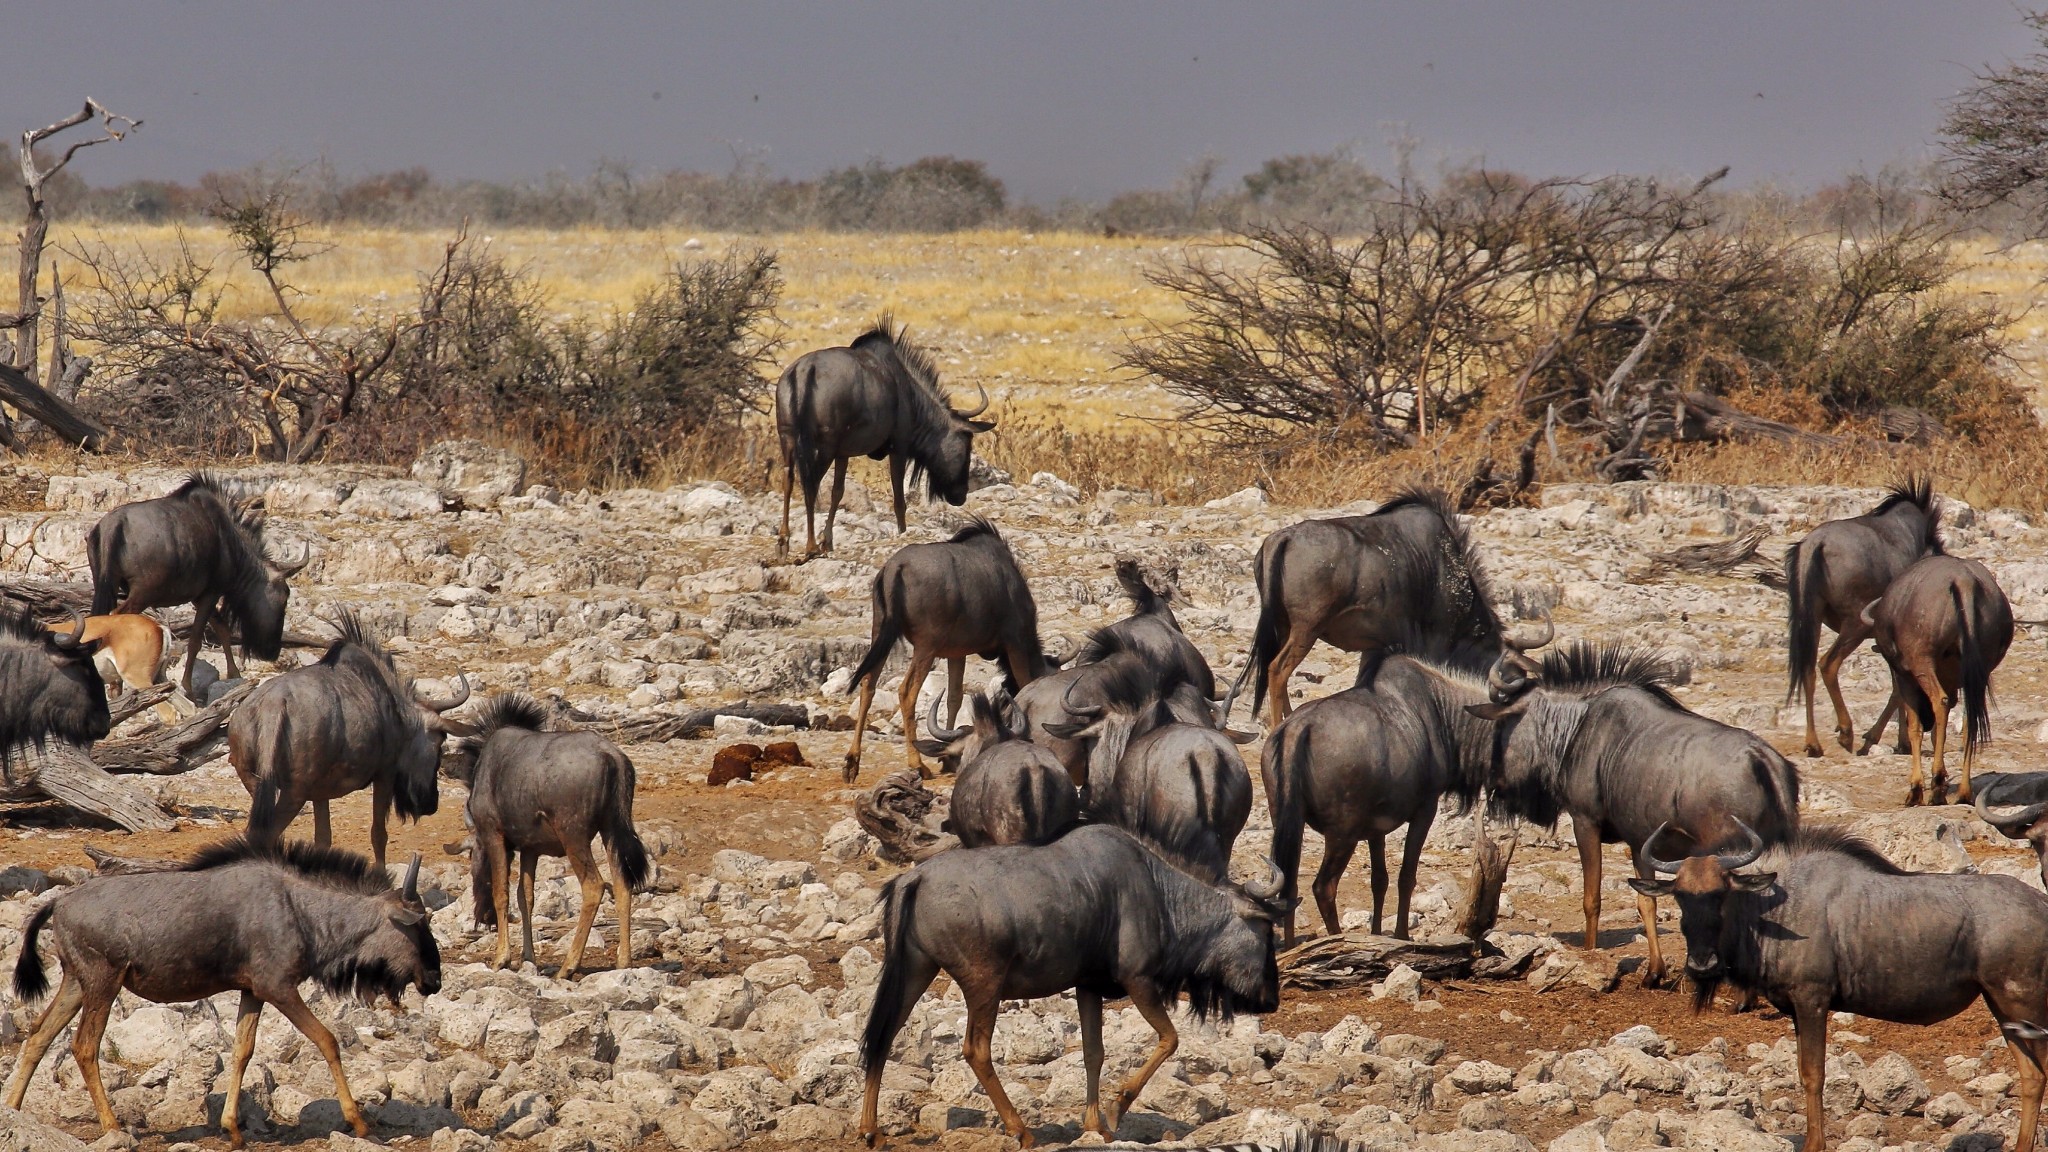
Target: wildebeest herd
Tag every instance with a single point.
(1098, 794)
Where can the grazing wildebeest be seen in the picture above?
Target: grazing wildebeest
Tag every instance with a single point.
(1832, 575)
(1009, 790)
(877, 397)
(257, 919)
(1095, 911)
(1182, 787)
(2024, 824)
(1833, 926)
(957, 598)
(1152, 632)
(194, 546)
(547, 793)
(318, 733)
(49, 686)
(1057, 709)
(131, 646)
(1943, 625)
(1405, 578)
(1593, 732)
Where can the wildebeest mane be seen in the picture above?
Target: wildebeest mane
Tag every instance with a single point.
(20, 624)
(1193, 931)
(885, 335)
(929, 413)
(1439, 502)
(1918, 491)
(511, 710)
(1102, 643)
(1839, 840)
(32, 713)
(976, 528)
(335, 868)
(354, 633)
(1584, 666)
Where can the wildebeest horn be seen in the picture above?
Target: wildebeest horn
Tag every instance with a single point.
(77, 631)
(1088, 711)
(443, 704)
(940, 731)
(978, 408)
(1747, 855)
(411, 891)
(1269, 887)
(294, 567)
(1659, 867)
(2013, 824)
(1523, 639)
(1503, 688)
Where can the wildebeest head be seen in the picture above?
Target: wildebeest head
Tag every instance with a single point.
(990, 723)
(1703, 885)
(49, 685)
(421, 762)
(952, 453)
(404, 949)
(941, 437)
(1513, 675)
(1240, 960)
(2029, 823)
(261, 588)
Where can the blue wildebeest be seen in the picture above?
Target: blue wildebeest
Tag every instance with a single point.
(2026, 822)
(238, 917)
(1095, 911)
(318, 733)
(1404, 579)
(878, 397)
(1942, 626)
(1830, 925)
(49, 685)
(1009, 790)
(960, 597)
(544, 793)
(195, 546)
(1057, 709)
(1832, 575)
(1592, 731)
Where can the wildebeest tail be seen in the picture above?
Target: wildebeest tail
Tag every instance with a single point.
(482, 887)
(31, 983)
(1780, 782)
(899, 900)
(1286, 758)
(1803, 586)
(888, 628)
(99, 551)
(620, 834)
(799, 384)
(1266, 637)
(267, 795)
(1975, 672)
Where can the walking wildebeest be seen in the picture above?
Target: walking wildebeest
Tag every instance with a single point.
(194, 546)
(258, 919)
(318, 733)
(549, 794)
(1832, 926)
(877, 397)
(1182, 787)
(1832, 575)
(1405, 578)
(49, 685)
(1095, 911)
(961, 597)
(1009, 790)
(1593, 732)
(1942, 626)
(131, 646)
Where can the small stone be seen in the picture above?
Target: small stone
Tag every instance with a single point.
(1948, 1108)
(1892, 1085)
(1483, 1115)
(1403, 986)
(1475, 1077)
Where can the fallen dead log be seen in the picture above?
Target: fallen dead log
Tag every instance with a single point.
(653, 729)
(1714, 557)
(178, 748)
(1490, 857)
(108, 864)
(1351, 959)
(128, 704)
(65, 773)
(47, 599)
(905, 818)
(30, 399)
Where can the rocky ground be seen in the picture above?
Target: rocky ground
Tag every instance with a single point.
(758, 945)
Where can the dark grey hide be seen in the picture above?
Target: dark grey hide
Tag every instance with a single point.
(2021, 802)
(1009, 790)
(49, 686)
(1362, 763)
(1831, 576)
(239, 917)
(194, 546)
(1942, 626)
(1404, 579)
(878, 397)
(1095, 911)
(1826, 924)
(351, 721)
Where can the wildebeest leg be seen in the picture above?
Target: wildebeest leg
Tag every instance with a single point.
(898, 465)
(85, 1047)
(913, 683)
(528, 861)
(1411, 859)
(286, 999)
(838, 491)
(981, 1030)
(2028, 1054)
(1915, 788)
(788, 488)
(1337, 857)
(227, 645)
(860, 727)
(1938, 784)
(1646, 906)
(70, 997)
(1810, 1021)
(380, 811)
(1146, 1001)
(622, 896)
(246, 1017)
(323, 825)
(1282, 668)
(916, 975)
(1844, 646)
(1588, 838)
(1090, 1006)
(202, 615)
(1376, 854)
(956, 681)
(498, 865)
(1876, 733)
(592, 883)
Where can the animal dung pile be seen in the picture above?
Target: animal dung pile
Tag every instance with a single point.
(746, 761)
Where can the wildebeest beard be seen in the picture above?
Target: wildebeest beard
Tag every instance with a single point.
(1703, 991)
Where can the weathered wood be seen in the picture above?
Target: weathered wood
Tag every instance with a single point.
(1714, 557)
(905, 817)
(29, 398)
(195, 741)
(654, 729)
(1351, 959)
(36, 228)
(1490, 857)
(63, 772)
(108, 864)
(51, 599)
(128, 704)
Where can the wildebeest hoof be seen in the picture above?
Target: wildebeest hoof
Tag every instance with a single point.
(1655, 978)
(1815, 751)
(852, 770)
(1914, 796)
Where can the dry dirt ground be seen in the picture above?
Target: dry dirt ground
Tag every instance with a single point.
(658, 601)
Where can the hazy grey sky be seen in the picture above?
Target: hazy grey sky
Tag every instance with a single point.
(1059, 98)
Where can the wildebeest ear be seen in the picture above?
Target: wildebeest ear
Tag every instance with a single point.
(978, 425)
(457, 727)
(1497, 711)
(931, 747)
(1651, 887)
(1064, 731)
(1753, 881)
(1237, 737)
(407, 918)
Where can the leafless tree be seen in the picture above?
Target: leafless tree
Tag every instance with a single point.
(1995, 137)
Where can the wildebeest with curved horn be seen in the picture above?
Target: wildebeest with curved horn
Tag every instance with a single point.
(960, 597)
(1832, 926)
(1942, 626)
(351, 721)
(259, 919)
(1009, 790)
(1405, 578)
(194, 546)
(1058, 709)
(544, 793)
(878, 397)
(1836, 572)
(1095, 911)
(2024, 823)
(49, 685)
(1593, 732)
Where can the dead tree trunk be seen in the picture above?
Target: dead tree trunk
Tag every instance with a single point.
(64, 772)
(36, 229)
